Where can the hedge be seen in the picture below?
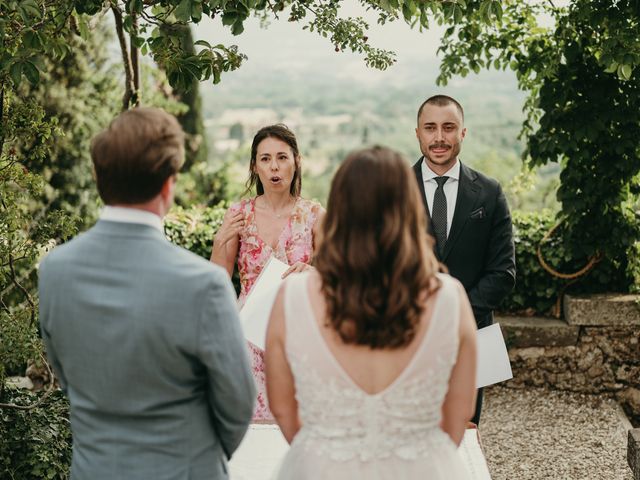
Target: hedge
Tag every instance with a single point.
(536, 290)
(535, 293)
(34, 444)
(195, 227)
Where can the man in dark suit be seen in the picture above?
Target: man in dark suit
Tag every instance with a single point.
(468, 213)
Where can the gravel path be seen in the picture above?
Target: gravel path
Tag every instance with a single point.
(539, 434)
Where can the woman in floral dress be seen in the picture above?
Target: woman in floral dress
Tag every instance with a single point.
(276, 222)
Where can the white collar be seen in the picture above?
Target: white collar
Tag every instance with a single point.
(131, 215)
(452, 173)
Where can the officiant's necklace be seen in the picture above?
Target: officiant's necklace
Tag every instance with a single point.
(273, 210)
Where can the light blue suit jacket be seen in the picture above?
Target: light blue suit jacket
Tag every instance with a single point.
(145, 340)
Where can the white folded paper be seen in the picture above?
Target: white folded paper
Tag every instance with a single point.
(254, 316)
(493, 359)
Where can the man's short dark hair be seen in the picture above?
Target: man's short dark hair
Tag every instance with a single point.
(440, 101)
(136, 154)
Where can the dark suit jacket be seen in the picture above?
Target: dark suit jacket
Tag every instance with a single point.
(479, 250)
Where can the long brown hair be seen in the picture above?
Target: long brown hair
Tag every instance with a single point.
(281, 132)
(375, 258)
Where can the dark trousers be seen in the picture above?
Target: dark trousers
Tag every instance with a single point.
(476, 416)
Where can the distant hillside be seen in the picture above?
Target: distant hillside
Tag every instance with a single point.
(335, 104)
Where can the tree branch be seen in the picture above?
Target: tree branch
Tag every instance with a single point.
(163, 16)
(6, 309)
(273, 10)
(24, 291)
(1, 117)
(15, 260)
(97, 18)
(66, 13)
(126, 59)
(9, 164)
(152, 20)
(34, 221)
(135, 63)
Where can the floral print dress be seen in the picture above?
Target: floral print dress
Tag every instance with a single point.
(295, 244)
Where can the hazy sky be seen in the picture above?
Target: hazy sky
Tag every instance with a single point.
(285, 45)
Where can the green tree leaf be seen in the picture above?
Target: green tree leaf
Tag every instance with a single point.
(183, 11)
(31, 72)
(625, 71)
(16, 73)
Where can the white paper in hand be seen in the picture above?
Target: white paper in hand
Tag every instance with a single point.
(254, 316)
(493, 359)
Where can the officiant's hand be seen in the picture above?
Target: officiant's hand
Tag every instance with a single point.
(297, 267)
(230, 228)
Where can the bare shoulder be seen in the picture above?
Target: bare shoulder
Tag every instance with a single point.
(450, 283)
(311, 206)
(276, 326)
(454, 289)
(314, 282)
(458, 285)
(467, 320)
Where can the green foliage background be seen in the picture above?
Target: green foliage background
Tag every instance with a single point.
(36, 444)
(194, 228)
(583, 83)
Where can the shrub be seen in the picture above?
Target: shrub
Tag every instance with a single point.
(36, 443)
(19, 342)
(536, 290)
(195, 227)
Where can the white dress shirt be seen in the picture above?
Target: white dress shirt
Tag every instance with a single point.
(450, 188)
(131, 215)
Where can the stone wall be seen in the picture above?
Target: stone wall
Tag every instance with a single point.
(633, 452)
(596, 349)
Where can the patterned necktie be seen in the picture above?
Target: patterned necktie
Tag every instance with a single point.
(439, 214)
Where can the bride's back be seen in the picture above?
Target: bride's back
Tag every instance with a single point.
(351, 411)
(372, 370)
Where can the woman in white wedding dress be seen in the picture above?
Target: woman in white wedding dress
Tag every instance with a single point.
(371, 358)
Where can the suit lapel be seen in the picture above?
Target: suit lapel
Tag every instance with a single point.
(465, 202)
(417, 168)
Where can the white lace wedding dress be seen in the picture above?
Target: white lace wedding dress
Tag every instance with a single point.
(350, 434)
